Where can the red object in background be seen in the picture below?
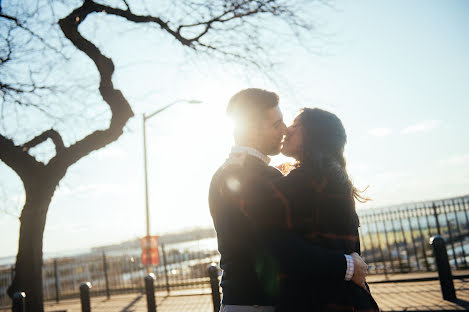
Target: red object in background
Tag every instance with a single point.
(150, 250)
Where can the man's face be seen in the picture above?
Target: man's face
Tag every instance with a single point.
(271, 131)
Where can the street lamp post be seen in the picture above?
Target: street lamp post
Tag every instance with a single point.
(147, 211)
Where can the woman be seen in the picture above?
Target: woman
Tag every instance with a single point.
(317, 201)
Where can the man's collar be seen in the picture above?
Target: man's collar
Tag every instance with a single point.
(239, 149)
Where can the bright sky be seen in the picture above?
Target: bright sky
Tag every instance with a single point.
(395, 72)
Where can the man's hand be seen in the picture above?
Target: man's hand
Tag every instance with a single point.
(360, 270)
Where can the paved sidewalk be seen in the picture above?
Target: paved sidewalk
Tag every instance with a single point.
(419, 296)
(398, 293)
(138, 303)
(408, 296)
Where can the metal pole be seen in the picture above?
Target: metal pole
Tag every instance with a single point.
(375, 222)
(213, 274)
(435, 214)
(150, 292)
(422, 239)
(444, 270)
(147, 210)
(362, 243)
(396, 243)
(427, 220)
(455, 210)
(165, 267)
(400, 215)
(464, 208)
(106, 279)
(450, 232)
(409, 220)
(85, 297)
(19, 302)
(372, 249)
(57, 285)
(384, 215)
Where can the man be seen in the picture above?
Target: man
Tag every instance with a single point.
(252, 257)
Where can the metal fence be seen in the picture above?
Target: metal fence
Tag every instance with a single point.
(393, 240)
(396, 239)
(121, 272)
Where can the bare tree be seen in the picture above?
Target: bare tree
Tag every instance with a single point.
(34, 44)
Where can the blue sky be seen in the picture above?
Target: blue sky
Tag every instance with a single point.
(395, 72)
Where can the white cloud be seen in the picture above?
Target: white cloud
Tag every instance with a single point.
(423, 126)
(380, 132)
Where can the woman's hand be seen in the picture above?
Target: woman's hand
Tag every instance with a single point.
(360, 270)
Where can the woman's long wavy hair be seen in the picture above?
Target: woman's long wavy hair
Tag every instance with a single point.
(323, 145)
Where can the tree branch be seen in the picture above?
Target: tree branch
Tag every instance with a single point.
(49, 134)
(16, 158)
(127, 5)
(32, 33)
(90, 7)
(120, 108)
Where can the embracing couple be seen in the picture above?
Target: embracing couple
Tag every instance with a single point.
(288, 237)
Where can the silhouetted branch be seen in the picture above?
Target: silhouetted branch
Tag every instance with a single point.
(16, 158)
(49, 134)
(120, 108)
(127, 5)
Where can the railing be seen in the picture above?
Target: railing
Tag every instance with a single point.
(396, 239)
(393, 240)
(120, 272)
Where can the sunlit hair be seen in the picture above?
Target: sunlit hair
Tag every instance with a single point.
(247, 108)
(323, 145)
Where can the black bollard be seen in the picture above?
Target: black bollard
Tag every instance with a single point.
(150, 292)
(18, 302)
(85, 297)
(444, 270)
(213, 274)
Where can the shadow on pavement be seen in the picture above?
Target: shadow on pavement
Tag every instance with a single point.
(132, 303)
(460, 302)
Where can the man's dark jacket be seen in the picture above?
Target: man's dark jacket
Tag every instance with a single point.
(252, 254)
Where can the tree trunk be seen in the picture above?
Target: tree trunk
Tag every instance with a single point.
(28, 270)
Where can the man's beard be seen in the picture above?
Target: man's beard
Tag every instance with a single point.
(275, 151)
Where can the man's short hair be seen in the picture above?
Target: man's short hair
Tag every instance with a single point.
(247, 107)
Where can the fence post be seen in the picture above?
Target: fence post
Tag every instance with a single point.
(85, 297)
(57, 284)
(444, 270)
(150, 292)
(435, 214)
(18, 302)
(213, 274)
(165, 267)
(108, 293)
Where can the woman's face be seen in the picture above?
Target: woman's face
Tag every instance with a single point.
(293, 141)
